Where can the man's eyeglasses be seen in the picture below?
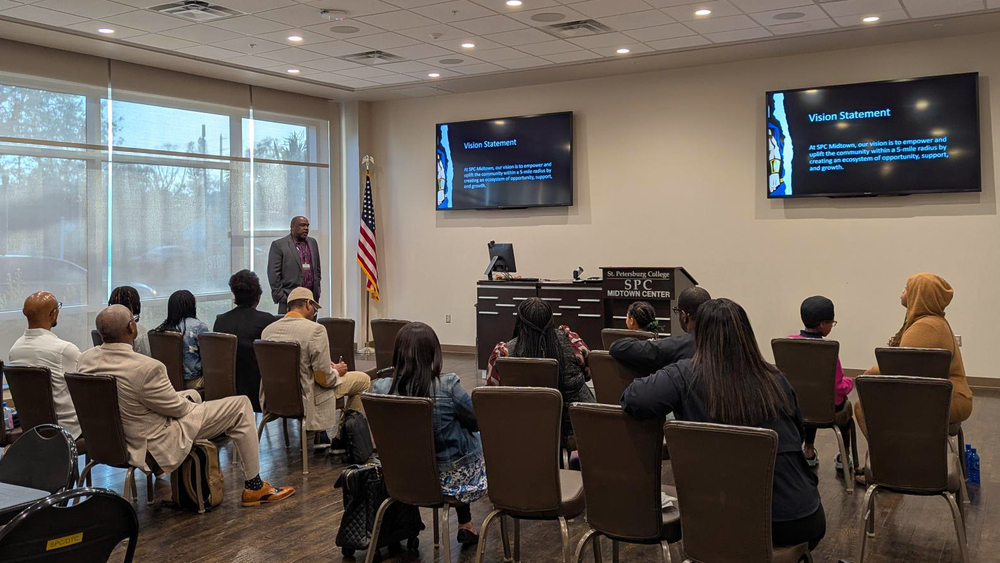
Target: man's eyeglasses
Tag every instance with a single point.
(677, 310)
(59, 305)
(833, 323)
(135, 318)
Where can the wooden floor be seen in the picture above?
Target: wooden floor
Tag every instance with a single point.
(303, 527)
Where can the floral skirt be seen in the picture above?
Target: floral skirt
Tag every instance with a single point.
(465, 478)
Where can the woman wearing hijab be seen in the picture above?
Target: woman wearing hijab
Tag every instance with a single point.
(925, 297)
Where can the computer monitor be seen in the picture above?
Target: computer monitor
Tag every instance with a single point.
(501, 258)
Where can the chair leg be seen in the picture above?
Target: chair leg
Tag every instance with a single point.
(446, 539)
(149, 488)
(597, 549)
(305, 450)
(85, 475)
(373, 547)
(581, 546)
(284, 429)
(961, 461)
(665, 547)
(517, 540)
(90, 482)
(868, 520)
(848, 478)
(564, 531)
(264, 419)
(437, 535)
(956, 514)
(614, 551)
(481, 548)
(854, 445)
(130, 493)
(506, 540)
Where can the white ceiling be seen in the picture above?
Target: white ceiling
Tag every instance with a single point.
(428, 34)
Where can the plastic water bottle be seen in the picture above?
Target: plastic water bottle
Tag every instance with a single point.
(965, 457)
(8, 417)
(974, 467)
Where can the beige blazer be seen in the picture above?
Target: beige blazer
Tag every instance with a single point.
(156, 418)
(319, 403)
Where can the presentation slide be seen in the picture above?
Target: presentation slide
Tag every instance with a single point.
(896, 137)
(505, 163)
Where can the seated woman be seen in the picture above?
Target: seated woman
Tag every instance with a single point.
(182, 317)
(925, 297)
(416, 358)
(728, 382)
(536, 336)
(129, 297)
(642, 316)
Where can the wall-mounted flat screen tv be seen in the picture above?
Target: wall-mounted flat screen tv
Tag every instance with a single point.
(504, 163)
(879, 138)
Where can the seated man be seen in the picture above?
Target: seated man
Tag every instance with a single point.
(164, 423)
(650, 356)
(247, 324)
(322, 380)
(40, 347)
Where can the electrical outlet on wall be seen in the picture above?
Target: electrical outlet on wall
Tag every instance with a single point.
(958, 338)
(447, 319)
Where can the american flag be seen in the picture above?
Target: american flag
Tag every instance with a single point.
(367, 255)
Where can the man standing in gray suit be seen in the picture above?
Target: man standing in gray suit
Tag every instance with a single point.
(293, 262)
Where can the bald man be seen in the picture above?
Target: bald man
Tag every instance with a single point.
(293, 261)
(164, 423)
(40, 347)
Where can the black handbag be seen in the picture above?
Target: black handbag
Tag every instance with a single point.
(357, 437)
(364, 491)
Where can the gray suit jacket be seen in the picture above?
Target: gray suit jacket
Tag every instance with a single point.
(284, 271)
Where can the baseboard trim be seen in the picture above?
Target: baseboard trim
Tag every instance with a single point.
(981, 382)
(459, 348)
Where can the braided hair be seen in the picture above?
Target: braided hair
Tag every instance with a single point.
(535, 332)
(645, 316)
(128, 296)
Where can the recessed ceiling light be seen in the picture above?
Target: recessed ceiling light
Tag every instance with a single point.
(514, 3)
(548, 17)
(106, 30)
(468, 45)
(434, 75)
(345, 29)
(786, 16)
(295, 38)
(294, 71)
(702, 12)
(870, 19)
(622, 51)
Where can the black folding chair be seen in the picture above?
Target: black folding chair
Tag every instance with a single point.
(42, 458)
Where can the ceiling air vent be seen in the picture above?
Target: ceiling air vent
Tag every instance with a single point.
(196, 11)
(372, 58)
(579, 28)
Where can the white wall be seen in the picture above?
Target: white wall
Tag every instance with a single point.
(681, 151)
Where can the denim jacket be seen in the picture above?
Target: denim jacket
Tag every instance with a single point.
(456, 430)
(191, 328)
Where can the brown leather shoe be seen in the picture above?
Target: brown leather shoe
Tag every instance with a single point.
(267, 493)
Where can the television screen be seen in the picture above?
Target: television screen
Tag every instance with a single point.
(895, 137)
(510, 162)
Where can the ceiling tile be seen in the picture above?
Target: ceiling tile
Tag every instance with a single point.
(604, 8)
(525, 62)
(394, 79)
(141, 3)
(720, 8)
(400, 19)
(41, 15)
(478, 68)
(284, 68)
(384, 41)
(501, 7)
(718, 25)
(495, 55)
(992, 4)
(90, 9)
(121, 32)
(161, 41)
(209, 52)
(146, 20)
(249, 45)
(421, 51)
(549, 47)
(7, 4)
(802, 27)
(296, 15)
(407, 66)
(437, 32)
(329, 65)
(492, 24)
(738, 35)
(335, 48)
(443, 72)
(926, 9)
(345, 29)
(520, 37)
(481, 44)
(678, 43)
(447, 61)
(572, 57)
(753, 6)
(853, 7)
(603, 40)
(457, 10)
(252, 61)
(567, 13)
(785, 15)
(637, 20)
(633, 48)
(410, 4)
(201, 34)
(344, 80)
(293, 55)
(354, 8)
(249, 25)
(253, 6)
(885, 16)
(282, 37)
(365, 72)
(660, 32)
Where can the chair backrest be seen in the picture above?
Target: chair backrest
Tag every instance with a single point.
(340, 334)
(611, 377)
(724, 476)
(31, 389)
(907, 423)
(95, 336)
(610, 335)
(86, 531)
(218, 364)
(916, 362)
(279, 373)
(621, 461)
(403, 428)
(521, 428)
(42, 458)
(384, 333)
(95, 398)
(810, 365)
(528, 372)
(168, 347)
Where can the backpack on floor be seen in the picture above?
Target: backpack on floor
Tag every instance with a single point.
(364, 491)
(184, 479)
(357, 437)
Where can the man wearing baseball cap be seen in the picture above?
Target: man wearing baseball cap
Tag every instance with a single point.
(323, 382)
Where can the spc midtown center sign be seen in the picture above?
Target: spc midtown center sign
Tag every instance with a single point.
(653, 284)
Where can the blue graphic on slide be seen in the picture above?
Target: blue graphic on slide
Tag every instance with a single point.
(779, 148)
(445, 170)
